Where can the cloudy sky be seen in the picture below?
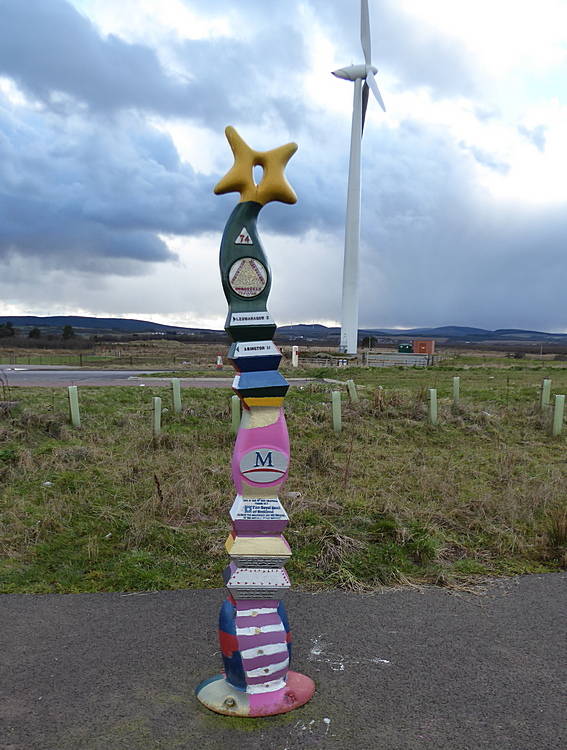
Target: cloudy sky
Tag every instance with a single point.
(111, 140)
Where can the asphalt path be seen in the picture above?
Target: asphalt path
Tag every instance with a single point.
(53, 377)
(399, 670)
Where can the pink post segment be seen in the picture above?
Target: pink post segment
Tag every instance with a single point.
(261, 456)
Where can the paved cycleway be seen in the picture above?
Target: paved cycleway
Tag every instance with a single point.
(398, 670)
(53, 377)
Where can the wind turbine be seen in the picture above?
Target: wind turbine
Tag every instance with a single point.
(358, 74)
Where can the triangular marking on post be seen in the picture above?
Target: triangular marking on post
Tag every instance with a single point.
(243, 238)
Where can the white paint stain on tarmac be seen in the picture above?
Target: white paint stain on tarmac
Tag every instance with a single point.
(313, 731)
(320, 652)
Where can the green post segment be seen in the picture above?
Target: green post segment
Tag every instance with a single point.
(433, 406)
(352, 392)
(456, 390)
(545, 392)
(156, 416)
(246, 276)
(558, 413)
(74, 406)
(235, 413)
(336, 411)
(176, 391)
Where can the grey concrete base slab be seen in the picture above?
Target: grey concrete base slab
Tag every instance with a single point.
(397, 670)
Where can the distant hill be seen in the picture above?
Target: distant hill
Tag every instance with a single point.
(314, 332)
(317, 332)
(444, 331)
(94, 325)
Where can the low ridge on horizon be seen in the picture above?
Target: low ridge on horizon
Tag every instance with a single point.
(134, 325)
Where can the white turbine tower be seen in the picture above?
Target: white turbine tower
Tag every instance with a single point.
(356, 73)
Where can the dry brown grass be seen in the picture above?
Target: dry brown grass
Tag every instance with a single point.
(390, 500)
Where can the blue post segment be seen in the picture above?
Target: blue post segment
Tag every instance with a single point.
(260, 383)
(285, 622)
(253, 364)
(231, 657)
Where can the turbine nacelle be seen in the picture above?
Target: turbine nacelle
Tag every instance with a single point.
(352, 72)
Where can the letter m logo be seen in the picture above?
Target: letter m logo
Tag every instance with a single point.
(267, 461)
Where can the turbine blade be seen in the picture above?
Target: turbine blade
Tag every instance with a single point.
(365, 31)
(364, 104)
(371, 81)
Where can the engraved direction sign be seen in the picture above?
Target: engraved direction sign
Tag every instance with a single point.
(261, 317)
(248, 277)
(252, 356)
(254, 349)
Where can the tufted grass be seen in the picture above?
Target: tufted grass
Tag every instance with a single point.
(390, 500)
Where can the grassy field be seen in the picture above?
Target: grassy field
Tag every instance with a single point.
(389, 500)
(189, 357)
(123, 355)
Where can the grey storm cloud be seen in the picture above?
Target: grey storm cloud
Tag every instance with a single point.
(53, 52)
(103, 183)
(73, 190)
(416, 53)
(47, 47)
(534, 135)
(88, 185)
(76, 183)
(488, 160)
(434, 240)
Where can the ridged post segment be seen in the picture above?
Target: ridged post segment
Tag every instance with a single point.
(254, 633)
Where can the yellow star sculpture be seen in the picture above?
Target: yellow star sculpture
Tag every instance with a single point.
(240, 178)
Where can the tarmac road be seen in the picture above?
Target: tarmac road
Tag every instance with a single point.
(53, 377)
(399, 670)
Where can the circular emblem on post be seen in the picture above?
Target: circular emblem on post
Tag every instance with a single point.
(248, 277)
(263, 465)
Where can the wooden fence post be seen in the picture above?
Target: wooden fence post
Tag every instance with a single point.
(176, 389)
(235, 413)
(336, 410)
(558, 411)
(157, 416)
(456, 390)
(433, 406)
(352, 392)
(74, 405)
